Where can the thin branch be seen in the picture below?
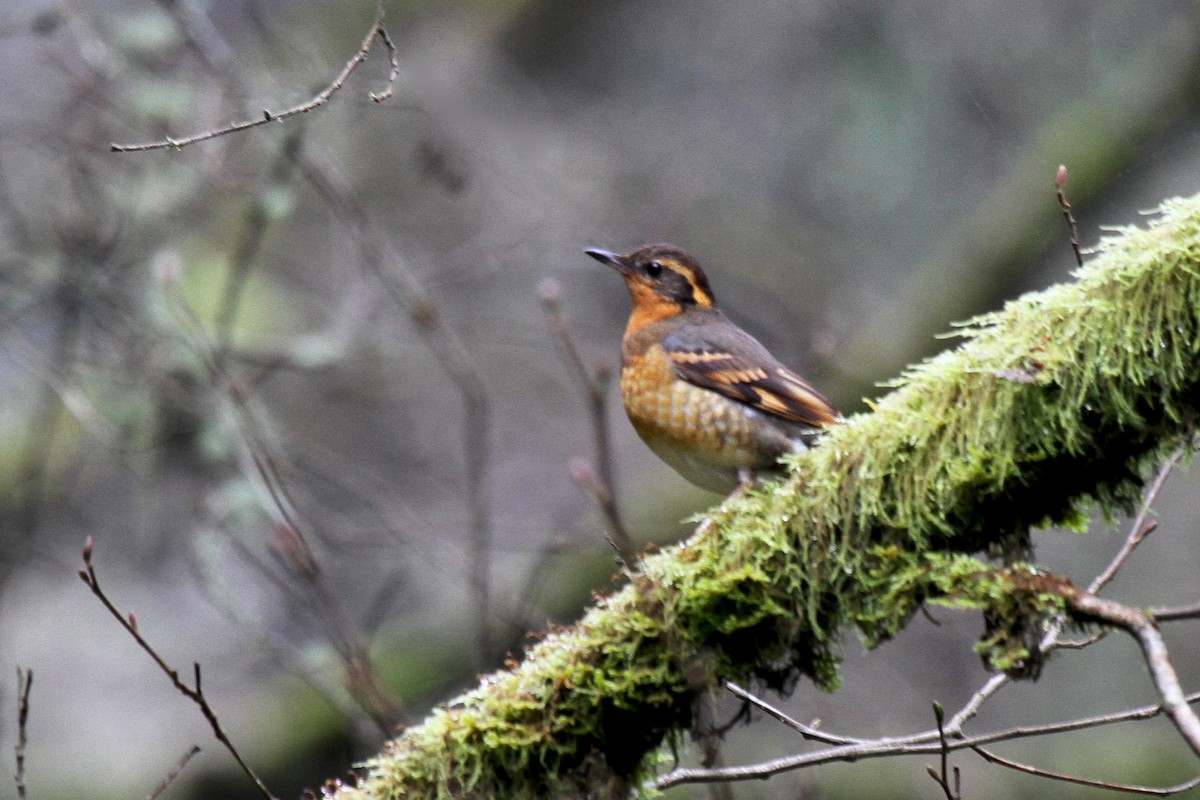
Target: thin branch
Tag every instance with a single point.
(1060, 185)
(595, 385)
(1172, 614)
(24, 685)
(318, 100)
(584, 475)
(1082, 723)
(1140, 529)
(174, 772)
(1082, 644)
(987, 691)
(1157, 658)
(393, 59)
(807, 731)
(924, 743)
(1153, 791)
(394, 273)
(1060, 182)
(942, 777)
(194, 693)
(290, 543)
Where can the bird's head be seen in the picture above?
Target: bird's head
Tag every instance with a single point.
(663, 280)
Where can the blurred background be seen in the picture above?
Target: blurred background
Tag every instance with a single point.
(300, 386)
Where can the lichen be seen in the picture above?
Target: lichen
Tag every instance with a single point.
(1051, 407)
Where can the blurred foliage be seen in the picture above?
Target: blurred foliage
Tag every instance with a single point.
(198, 345)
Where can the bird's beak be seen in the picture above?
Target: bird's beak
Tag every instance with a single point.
(611, 259)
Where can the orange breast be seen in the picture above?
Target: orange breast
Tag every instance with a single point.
(681, 421)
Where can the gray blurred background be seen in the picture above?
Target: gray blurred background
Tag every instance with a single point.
(339, 315)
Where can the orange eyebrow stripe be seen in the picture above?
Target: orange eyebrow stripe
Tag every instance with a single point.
(699, 295)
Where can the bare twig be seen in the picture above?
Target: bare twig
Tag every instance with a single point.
(346, 637)
(923, 743)
(24, 685)
(879, 748)
(1153, 791)
(584, 475)
(393, 60)
(291, 545)
(1140, 528)
(948, 735)
(1171, 614)
(942, 776)
(195, 693)
(377, 31)
(1157, 658)
(1060, 185)
(595, 392)
(1082, 644)
(394, 273)
(986, 692)
(807, 731)
(170, 777)
(1138, 531)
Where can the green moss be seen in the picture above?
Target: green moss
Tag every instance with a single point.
(1048, 408)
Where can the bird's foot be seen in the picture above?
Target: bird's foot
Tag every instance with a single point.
(746, 481)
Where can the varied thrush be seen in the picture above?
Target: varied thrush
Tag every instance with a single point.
(705, 395)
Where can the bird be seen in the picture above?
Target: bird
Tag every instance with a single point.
(704, 395)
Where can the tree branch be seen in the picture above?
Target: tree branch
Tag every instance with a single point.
(601, 482)
(1140, 528)
(173, 773)
(923, 743)
(876, 520)
(24, 686)
(318, 100)
(1175, 613)
(381, 259)
(195, 692)
(1154, 649)
(1152, 791)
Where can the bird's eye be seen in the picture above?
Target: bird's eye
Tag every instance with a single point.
(654, 269)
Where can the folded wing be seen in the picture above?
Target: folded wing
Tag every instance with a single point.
(739, 367)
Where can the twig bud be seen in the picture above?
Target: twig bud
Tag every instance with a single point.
(287, 543)
(581, 471)
(549, 291)
(1060, 177)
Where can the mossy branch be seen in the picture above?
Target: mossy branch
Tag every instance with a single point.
(1049, 408)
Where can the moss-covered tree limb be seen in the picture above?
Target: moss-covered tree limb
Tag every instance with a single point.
(1054, 405)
